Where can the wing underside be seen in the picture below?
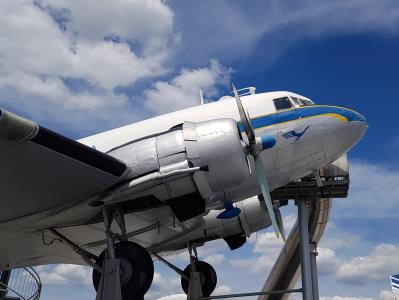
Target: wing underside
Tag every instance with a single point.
(41, 169)
(46, 175)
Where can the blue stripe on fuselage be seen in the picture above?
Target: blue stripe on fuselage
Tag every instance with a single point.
(303, 112)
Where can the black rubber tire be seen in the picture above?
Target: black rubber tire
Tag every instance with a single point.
(208, 278)
(142, 265)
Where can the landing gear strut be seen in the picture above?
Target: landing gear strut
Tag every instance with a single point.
(127, 268)
(202, 277)
(207, 274)
(198, 279)
(124, 270)
(136, 269)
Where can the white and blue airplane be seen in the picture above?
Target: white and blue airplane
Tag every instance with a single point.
(161, 184)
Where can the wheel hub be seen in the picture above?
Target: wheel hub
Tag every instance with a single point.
(125, 271)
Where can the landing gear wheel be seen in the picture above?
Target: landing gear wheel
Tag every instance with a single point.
(208, 278)
(136, 269)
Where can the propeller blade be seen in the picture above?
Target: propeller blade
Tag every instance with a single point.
(280, 222)
(259, 168)
(245, 121)
(262, 180)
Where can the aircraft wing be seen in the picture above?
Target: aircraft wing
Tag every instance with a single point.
(41, 169)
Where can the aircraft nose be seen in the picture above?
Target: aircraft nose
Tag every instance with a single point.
(358, 129)
(343, 135)
(357, 123)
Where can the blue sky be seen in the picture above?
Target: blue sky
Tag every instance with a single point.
(85, 68)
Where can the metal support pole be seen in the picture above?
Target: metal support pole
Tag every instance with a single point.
(110, 284)
(313, 264)
(194, 286)
(88, 257)
(306, 272)
(173, 267)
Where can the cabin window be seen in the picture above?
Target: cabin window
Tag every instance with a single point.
(282, 103)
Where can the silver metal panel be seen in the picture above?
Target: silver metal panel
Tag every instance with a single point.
(141, 156)
(221, 150)
(254, 214)
(170, 143)
(172, 159)
(202, 184)
(192, 152)
(189, 131)
(253, 217)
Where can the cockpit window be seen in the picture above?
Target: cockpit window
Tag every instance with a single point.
(296, 101)
(301, 102)
(282, 103)
(306, 102)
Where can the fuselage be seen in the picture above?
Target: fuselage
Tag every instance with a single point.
(308, 136)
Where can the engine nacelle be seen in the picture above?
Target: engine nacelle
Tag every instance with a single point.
(253, 217)
(234, 231)
(215, 146)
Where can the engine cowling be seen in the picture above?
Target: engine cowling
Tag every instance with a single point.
(234, 231)
(253, 217)
(213, 147)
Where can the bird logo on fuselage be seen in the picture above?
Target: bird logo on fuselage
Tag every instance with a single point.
(294, 134)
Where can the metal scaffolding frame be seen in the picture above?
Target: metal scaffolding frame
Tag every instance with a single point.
(308, 255)
(312, 192)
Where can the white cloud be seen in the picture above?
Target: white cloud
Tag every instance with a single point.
(162, 286)
(63, 62)
(372, 194)
(344, 240)
(174, 297)
(74, 53)
(255, 264)
(211, 248)
(57, 66)
(266, 242)
(266, 249)
(64, 274)
(386, 295)
(377, 266)
(129, 20)
(327, 261)
(211, 252)
(182, 91)
(214, 259)
(237, 29)
(373, 267)
(222, 290)
(345, 298)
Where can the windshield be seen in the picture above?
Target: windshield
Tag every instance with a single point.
(282, 103)
(301, 102)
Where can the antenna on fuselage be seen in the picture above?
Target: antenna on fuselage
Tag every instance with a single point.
(201, 97)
